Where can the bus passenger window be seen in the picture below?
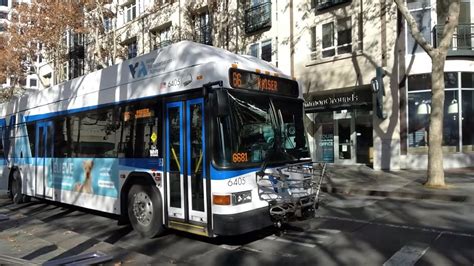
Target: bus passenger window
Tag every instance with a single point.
(1, 143)
(97, 134)
(31, 129)
(140, 134)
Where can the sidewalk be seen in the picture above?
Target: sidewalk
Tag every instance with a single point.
(364, 181)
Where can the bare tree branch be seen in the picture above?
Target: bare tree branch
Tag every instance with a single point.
(413, 25)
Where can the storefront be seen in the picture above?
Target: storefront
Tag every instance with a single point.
(341, 128)
(458, 136)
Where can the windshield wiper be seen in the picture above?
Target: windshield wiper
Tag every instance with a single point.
(277, 143)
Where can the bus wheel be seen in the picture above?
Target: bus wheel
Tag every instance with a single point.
(145, 210)
(15, 188)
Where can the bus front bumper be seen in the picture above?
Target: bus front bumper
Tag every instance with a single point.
(241, 223)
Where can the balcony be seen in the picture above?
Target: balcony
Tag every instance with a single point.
(463, 40)
(204, 34)
(162, 44)
(325, 4)
(258, 17)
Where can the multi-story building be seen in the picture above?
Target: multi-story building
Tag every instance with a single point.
(335, 48)
(30, 80)
(256, 27)
(5, 7)
(345, 44)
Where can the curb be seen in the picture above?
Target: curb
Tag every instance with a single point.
(4, 194)
(394, 194)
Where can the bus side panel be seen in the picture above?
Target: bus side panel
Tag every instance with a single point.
(87, 182)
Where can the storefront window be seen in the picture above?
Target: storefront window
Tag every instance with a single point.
(467, 121)
(324, 136)
(419, 109)
(467, 80)
(451, 122)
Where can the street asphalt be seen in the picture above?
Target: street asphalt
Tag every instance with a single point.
(366, 218)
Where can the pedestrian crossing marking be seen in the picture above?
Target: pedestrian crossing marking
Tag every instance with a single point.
(407, 255)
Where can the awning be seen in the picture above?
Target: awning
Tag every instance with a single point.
(346, 98)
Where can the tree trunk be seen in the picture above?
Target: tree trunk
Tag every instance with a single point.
(435, 151)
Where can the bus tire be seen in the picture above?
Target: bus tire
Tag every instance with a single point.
(15, 188)
(145, 211)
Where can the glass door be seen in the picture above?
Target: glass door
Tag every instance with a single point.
(185, 161)
(44, 154)
(196, 173)
(175, 159)
(344, 138)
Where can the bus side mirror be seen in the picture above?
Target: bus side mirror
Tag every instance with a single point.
(222, 103)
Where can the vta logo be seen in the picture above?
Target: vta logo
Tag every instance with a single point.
(141, 69)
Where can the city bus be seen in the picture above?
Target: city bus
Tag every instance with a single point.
(175, 138)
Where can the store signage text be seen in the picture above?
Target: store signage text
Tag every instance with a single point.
(333, 100)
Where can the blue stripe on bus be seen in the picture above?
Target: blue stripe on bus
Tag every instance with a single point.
(226, 174)
(32, 118)
(142, 163)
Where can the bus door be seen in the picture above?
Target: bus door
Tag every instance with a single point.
(185, 163)
(44, 154)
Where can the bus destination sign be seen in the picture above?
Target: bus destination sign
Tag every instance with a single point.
(242, 79)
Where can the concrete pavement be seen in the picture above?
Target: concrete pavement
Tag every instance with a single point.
(363, 181)
(37, 240)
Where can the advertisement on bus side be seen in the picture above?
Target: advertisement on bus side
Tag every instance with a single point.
(92, 176)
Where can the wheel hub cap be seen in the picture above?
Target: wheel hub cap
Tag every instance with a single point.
(143, 208)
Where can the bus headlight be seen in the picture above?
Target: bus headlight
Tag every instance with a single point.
(241, 197)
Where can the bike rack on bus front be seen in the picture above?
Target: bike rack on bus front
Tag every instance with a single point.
(292, 190)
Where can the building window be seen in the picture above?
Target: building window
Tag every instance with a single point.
(3, 15)
(421, 11)
(132, 49)
(262, 50)
(203, 28)
(3, 2)
(258, 16)
(163, 2)
(161, 37)
(313, 48)
(467, 110)
(108, 26)
(130, 12)
(458, 112)
(323, 4)
(76, 67)
(33, 83)
(336, 38)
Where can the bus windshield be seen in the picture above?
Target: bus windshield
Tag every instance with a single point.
(260, 128)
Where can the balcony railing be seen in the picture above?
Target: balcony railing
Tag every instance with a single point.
(204, 34)
(324, 4)
(162, 44)
(258, 17)
(462, 43)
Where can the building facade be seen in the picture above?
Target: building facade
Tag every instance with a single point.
(30, 80)
(347, 45)
(365, 81)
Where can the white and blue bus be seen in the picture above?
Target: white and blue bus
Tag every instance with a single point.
(170, 139)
